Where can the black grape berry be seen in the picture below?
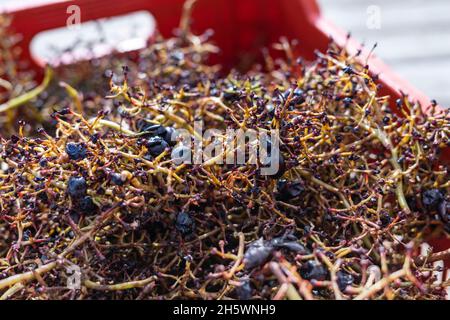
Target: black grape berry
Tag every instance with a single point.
(149, 130)
(244, 291)
(257, 253)
(385, 219)
(344, 279)
(185, 224)
(170, 135)
(290, 243)
(116, 178)
(313, 270)
(347, 101)
(297, 96)
(76, 187)
(289, 190)
(432, 198)
(156, 145)
(87, 205)
(348, 70)
(231, 94)
(152, 130)
(76, 151)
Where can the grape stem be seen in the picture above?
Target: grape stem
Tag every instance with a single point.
(24, 98)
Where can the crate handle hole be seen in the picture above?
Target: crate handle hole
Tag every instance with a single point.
(93, 39)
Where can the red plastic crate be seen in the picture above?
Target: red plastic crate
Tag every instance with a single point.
(240, 26)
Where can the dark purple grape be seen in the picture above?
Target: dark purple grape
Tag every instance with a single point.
(289, 190)
(76, 151)
(156, 145)
(76, 187)
(87, 206)
(344, 279)
(313, 270)
(244, 291)
(185, 224)
(257, 253)
(432, 198)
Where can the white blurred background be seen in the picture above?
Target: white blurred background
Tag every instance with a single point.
(413, 37)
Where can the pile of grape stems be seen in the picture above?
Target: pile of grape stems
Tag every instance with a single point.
(89, 189)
